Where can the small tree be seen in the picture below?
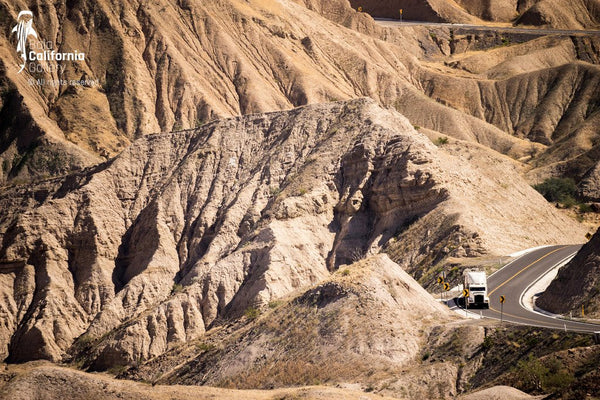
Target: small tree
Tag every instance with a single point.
(561, 190)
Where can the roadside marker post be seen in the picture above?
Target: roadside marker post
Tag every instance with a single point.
(446, 288)
(465, 293)
(502, 300)
(400, 15)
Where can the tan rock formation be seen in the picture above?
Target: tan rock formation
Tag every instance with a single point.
(102, 252)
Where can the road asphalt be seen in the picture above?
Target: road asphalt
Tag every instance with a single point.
(514, 279)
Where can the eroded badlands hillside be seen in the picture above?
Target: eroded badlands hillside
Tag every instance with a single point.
(187, 228)
(167, 65)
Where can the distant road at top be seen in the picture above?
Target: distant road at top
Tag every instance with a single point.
(535, 31)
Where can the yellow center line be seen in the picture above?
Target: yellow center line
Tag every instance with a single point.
(515, 275)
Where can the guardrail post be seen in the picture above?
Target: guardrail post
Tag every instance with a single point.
(597, 337)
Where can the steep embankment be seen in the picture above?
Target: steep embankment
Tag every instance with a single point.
(238, 213)
(577, 284)
(368, 319)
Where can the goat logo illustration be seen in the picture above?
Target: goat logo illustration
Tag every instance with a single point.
(23, 31)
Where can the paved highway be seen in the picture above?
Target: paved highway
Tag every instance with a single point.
(515, 278)
(535, 31)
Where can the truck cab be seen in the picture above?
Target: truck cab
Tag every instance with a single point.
(476, 282)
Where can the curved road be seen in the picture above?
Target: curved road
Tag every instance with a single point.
(536, 31)
(515, 278)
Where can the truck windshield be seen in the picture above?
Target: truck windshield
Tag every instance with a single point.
(477, 289)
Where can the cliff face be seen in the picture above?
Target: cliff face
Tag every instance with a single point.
(237, 213)
(577, 284)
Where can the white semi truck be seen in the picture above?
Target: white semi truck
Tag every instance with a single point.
(476, 282)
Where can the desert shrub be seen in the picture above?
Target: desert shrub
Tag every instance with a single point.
(561, 190)
(550, 377)
(274, 191)
(488, 343)
(177, 288)
(275, 303)
(442, 140)
(252, 313)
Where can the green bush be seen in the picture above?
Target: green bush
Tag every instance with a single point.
(442, 140)
(252, 313)
(562, 190)
(550, 376)
(176, 288)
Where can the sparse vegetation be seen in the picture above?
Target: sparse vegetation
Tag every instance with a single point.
(252, 313)
(562, 190)
(205, 347)
(275, 303)
(274, 191)
(549, 376)
(440, 141)
(176, 288)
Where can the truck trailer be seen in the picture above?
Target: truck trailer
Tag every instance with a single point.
(476, 281)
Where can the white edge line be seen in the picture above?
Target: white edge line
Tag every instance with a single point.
(558, 265)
